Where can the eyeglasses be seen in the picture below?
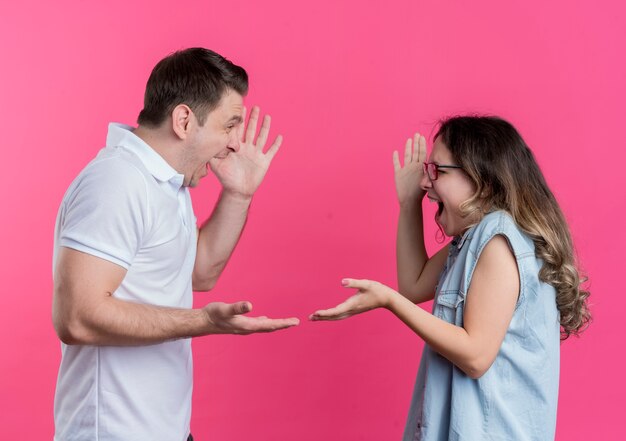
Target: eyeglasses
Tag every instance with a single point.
(432, 170)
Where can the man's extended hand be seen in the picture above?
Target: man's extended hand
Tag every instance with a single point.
(228, 318)
(243, 171)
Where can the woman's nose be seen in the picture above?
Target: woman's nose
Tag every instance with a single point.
(425, 182)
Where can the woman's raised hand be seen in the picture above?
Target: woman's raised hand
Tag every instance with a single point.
(409, 175)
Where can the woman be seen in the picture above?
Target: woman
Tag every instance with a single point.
(505, 288)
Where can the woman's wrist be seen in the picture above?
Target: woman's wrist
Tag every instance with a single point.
(388, 300)
(411, 205)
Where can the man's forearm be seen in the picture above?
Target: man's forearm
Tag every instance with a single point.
(116, 322)
(218, 237)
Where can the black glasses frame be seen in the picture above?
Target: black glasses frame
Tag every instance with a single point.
(432, 169)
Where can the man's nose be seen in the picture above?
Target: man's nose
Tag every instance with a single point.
(233, 142)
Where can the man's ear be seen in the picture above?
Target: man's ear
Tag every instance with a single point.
(182, 117)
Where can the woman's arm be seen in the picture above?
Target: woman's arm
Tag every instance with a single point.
(417, 274)
(489, 308)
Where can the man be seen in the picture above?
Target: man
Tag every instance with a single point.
(128, 253)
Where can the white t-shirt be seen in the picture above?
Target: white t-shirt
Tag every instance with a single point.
(128, 206)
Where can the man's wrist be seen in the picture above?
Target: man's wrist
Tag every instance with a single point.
(235, 196)
(208, 323)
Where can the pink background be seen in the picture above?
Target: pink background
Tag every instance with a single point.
(346, 83)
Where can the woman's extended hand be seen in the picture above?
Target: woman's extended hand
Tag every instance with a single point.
(371, 295)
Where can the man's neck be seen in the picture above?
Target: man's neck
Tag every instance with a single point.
(162, 142)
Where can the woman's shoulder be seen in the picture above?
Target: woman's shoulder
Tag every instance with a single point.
(498, 220)
(502, 223)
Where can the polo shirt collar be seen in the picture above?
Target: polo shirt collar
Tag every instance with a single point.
(121, 135)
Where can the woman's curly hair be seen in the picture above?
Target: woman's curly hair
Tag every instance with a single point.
(507, 177)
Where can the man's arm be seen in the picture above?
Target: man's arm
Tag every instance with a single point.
(85, 312)
(217, 239)
(240, 174)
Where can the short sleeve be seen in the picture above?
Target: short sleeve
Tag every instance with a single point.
(104, 212)
(493, 224)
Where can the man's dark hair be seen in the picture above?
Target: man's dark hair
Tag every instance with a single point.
(196, 77)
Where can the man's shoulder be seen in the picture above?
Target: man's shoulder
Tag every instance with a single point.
(114, 167)
(117, 162)
(113, 174)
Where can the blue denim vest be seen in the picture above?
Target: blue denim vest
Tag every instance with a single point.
(516, 399)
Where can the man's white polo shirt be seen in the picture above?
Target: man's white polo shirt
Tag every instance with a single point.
(128, 206)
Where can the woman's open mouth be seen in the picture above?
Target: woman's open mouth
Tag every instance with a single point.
(440, 206)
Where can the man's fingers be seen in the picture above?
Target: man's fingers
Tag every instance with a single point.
(240, 129)
(264, 132)
(264, 324)
(271, 152)
(252, 122)
(285, 323)
(396, 161)
(238, 308)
